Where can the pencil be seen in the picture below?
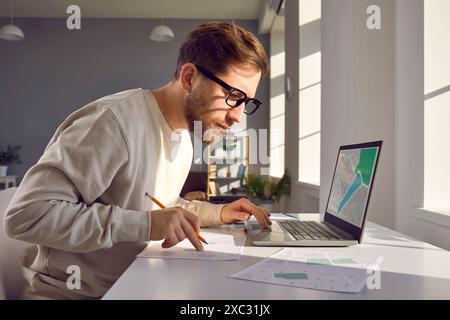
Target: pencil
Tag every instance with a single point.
(163, 207)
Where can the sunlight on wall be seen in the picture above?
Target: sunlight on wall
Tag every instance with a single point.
(437, 104)
(309, 92)
(277, 64)
(310, 10)
(277, 104)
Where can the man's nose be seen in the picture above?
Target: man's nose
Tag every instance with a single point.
(235, 114)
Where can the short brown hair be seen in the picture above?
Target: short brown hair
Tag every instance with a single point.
(215, 46)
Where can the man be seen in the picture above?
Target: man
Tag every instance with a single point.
(83, 204)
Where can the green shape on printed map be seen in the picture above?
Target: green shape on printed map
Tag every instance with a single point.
(291, 275)
(344, 261)
(318, 261)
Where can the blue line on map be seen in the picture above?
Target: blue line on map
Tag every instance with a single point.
(357, 182)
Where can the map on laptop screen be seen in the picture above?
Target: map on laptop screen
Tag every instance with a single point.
(352, 183)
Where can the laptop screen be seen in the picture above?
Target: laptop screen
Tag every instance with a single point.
(352, 183)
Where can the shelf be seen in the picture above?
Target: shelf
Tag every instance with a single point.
(225, 159)
(226, 164)
(218, 162)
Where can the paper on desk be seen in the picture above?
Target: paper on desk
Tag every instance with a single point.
(297, 267)
(273, 217)
(279, 217)
(219, 247)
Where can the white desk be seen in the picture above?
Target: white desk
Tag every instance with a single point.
(410, 269)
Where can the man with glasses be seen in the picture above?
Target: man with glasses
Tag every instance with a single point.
(83, 203)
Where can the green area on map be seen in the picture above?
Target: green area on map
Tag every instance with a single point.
(291, 276)
(343, 261)
(318, 261)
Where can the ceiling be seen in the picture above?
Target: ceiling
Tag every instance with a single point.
(169, 9)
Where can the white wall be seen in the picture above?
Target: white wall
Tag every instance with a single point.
(358, 94)
(303, 199)
(409, 170)
(309, 91)
(437, 103)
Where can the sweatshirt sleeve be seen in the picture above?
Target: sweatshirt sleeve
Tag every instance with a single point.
(55, 203)
(208, 213)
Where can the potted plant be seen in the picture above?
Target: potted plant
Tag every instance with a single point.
(267, 192)
(9, 155)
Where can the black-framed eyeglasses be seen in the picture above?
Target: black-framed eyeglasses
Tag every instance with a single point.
(235, 97)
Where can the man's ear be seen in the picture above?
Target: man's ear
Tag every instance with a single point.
(188, 74)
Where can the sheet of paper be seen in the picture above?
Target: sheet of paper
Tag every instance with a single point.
(319, 270)
(273, 217)
(281, 217)
(219, 247)
(277, 217)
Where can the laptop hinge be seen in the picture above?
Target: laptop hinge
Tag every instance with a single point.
(344, 234)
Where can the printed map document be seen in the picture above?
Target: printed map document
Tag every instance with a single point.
(319, 270)
(219, 247)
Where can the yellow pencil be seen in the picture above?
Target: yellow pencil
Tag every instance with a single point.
(163, 207)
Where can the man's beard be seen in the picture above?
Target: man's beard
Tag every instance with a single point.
(196, 112)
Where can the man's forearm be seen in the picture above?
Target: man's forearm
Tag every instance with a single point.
(208, 213)
(76, 227)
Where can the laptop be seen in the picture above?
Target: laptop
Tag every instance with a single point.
(346, 210)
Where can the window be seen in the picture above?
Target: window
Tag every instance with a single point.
(309, 91)
(437, 104)
(277, 96)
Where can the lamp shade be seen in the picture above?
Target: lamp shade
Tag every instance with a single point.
(11, 32)
(162, 33)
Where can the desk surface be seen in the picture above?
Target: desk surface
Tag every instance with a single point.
(410, 269)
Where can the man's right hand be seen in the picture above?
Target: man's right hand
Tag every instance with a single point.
(174, 225)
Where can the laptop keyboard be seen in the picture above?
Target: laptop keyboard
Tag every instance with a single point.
(310, 230)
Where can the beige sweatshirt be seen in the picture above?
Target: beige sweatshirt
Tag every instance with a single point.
(82, 204)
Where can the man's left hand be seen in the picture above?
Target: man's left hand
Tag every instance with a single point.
(242, 209)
